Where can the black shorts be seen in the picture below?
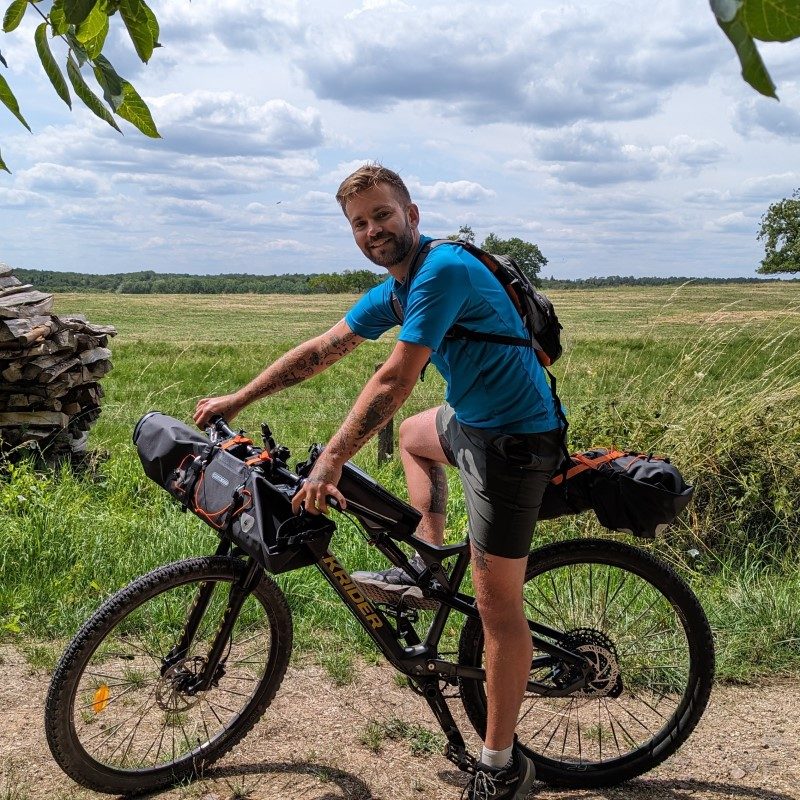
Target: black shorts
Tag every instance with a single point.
(504, 477)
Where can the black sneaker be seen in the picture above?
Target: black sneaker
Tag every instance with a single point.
(394, 586)
(513, 782)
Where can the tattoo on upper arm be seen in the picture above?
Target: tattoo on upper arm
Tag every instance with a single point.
(337, 346)
(438, 502)
(295, 368)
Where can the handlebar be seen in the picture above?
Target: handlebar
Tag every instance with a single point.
(218, 430)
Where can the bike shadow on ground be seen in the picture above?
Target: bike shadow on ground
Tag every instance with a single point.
(650, 789)
(280, 778)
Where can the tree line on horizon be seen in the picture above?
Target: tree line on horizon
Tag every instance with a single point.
(347, 282)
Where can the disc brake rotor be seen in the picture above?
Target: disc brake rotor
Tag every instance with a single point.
(600, 652)
(171, 691)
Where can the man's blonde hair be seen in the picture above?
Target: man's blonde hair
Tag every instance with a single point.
(367, 177)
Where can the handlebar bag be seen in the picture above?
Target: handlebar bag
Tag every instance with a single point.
(229, 495)
(628, 492)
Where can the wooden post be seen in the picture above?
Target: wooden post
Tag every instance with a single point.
(385, 436)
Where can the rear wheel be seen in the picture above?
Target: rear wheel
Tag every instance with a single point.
(118, 720)
(652, 655)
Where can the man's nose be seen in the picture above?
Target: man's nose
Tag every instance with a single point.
(374, 228)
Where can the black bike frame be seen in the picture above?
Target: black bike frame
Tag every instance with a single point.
(399, 642)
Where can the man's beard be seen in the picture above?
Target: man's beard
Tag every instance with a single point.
(394, 250)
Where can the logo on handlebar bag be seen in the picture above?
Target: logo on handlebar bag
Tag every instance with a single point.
(346, 582)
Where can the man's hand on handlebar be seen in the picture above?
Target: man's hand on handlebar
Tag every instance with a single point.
(207, 408)
(318, 489)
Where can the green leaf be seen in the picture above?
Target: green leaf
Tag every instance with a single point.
(753, 69)
(3, 164)
(3, 61)
(92, 101)
(110, 6)
(76, 11)
(772, 20)
(152, 23)
(135, 18)
(14, 14)
(92, 32)
(10, 102)
(110, 82)
(135, 110)
(49, 64)
(77, 49)
(58, 20)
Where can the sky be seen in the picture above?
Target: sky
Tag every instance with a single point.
(618, 136)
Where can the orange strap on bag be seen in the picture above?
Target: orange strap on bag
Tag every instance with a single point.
(584, 464)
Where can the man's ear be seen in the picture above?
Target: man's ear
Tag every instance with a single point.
(413, 214)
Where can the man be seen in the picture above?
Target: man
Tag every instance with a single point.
(499, 426)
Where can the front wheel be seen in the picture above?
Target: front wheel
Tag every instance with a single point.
(652, 656)
(119, 716)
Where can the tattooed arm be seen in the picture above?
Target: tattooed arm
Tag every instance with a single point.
(302, 362)
(385, 392)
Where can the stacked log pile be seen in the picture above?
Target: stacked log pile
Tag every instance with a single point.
(50, 368)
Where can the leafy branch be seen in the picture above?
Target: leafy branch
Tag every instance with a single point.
(83, 26)
(744, 21)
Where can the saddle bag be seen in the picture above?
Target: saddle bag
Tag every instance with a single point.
(232, 496)
(628, 492)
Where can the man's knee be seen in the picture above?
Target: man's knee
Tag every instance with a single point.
(418, 437)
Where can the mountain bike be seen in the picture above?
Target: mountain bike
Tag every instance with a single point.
(172, 671)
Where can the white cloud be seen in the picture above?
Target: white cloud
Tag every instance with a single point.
(452, 191)
(378, 5)
(618, 138)
(48, 177)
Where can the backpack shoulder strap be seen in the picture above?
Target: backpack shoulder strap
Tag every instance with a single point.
(419, 259)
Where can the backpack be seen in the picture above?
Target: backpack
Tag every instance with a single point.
(536, 311)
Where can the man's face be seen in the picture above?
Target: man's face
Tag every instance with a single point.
(385, 229)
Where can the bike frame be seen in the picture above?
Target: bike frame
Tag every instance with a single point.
(392, 630)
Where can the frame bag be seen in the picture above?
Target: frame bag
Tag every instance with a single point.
(230, 495)
(628, 492)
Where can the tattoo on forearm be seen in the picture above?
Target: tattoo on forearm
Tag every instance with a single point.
(438, 502)
(377, 413)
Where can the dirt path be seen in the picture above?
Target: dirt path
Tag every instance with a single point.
(310, 746)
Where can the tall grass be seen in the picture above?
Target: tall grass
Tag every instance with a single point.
(706, 375)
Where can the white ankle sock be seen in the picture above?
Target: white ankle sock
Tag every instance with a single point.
(497, 759)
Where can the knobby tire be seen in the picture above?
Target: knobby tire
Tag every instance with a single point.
(116, 724)
(637, 620)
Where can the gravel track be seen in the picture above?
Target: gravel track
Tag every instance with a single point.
(309, 746)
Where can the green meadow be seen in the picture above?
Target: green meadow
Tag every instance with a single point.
(708, 375)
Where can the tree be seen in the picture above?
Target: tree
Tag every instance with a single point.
(526, 254)
(780, 230)
(465, 234)
(81, 28)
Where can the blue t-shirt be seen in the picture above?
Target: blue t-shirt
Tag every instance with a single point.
(492, 386)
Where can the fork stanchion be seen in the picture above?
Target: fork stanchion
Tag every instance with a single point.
(385, 436)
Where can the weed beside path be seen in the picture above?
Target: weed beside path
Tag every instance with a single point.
(366, 741)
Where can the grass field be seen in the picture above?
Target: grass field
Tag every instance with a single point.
(709, 375)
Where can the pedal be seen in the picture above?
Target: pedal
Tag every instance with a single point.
(402, 597)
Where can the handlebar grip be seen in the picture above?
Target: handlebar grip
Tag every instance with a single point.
(218, 425)
(329, 499)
